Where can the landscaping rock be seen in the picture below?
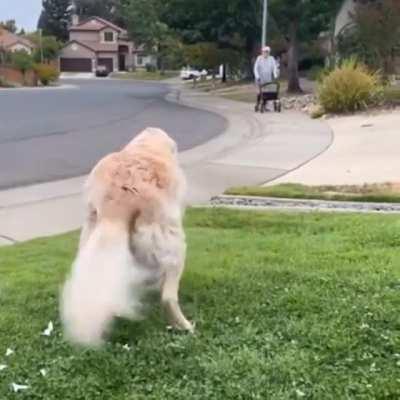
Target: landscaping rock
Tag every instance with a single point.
(299, 103)
(303, 205)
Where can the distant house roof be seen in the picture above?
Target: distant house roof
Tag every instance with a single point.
(8, 39)
(95, 24)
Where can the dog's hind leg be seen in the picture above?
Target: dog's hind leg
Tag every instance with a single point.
(172, 271)
(169, 299)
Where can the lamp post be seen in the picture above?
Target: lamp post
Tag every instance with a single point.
(41, 45)
(264, 24)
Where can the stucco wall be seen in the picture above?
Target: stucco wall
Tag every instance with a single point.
(84, 36)
(21, 47)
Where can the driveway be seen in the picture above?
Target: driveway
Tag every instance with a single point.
(365, 150)
(47, 135)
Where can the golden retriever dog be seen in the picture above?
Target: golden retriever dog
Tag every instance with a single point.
(132, 239)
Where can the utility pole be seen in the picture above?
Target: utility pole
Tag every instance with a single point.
(264, 25)
(41, 45)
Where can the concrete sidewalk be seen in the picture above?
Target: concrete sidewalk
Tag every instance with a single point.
(366, 150)
(254, 149)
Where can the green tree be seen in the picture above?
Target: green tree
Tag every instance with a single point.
(234, 25)
(374, 35)
(143, 21)
(22, 61)
(106, 9)
(302, 21)
(48, 46)
(202, 55)
(9, 25)
(171, 53)
(146, 28)
(55, 18)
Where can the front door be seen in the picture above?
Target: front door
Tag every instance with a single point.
(122, 62)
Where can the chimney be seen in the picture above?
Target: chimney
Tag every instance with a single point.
(75, 19)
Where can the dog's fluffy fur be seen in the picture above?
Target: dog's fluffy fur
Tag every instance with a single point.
(132, 238)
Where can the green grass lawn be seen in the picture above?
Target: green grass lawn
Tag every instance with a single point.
(145, 75)
(387, 193)
(287, 306)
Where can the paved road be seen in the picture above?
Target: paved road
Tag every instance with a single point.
(47, 135)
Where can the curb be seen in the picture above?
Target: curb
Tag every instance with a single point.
(39, 88)
(273, 203)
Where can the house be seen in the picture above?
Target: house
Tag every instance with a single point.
(11, 42)
(96, 41)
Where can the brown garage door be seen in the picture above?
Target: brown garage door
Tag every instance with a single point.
(75, 65)
(107, 62)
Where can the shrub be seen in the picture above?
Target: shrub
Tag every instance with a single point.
(46, 73)
(349, 87)
(150, 67)
(317, 73)
(22, 60)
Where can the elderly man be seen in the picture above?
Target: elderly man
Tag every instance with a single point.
(265, 70)
(265, 67)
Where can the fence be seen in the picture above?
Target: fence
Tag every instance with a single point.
(13, 75)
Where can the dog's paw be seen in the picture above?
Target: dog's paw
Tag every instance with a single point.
(184, 327)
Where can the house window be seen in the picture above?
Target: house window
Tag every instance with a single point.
(108, 36)
(140, 60)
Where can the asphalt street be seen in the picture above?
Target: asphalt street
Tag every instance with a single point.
(46, 135)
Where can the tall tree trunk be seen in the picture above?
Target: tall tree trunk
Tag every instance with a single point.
(250, 51)
(293, 59)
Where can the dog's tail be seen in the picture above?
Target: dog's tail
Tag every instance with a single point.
(100, 285)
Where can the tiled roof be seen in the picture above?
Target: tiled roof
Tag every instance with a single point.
(97, 46)
(95, 24)
(7, 39)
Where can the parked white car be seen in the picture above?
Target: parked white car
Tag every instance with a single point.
(190, 73)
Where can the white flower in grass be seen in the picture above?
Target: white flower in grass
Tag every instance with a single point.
(3, 366)
(48, 330)
(9, 352)
(126, 347)
(43, 372)
(364, 326)
(16, 387)
(373, 368)
(300, 393)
